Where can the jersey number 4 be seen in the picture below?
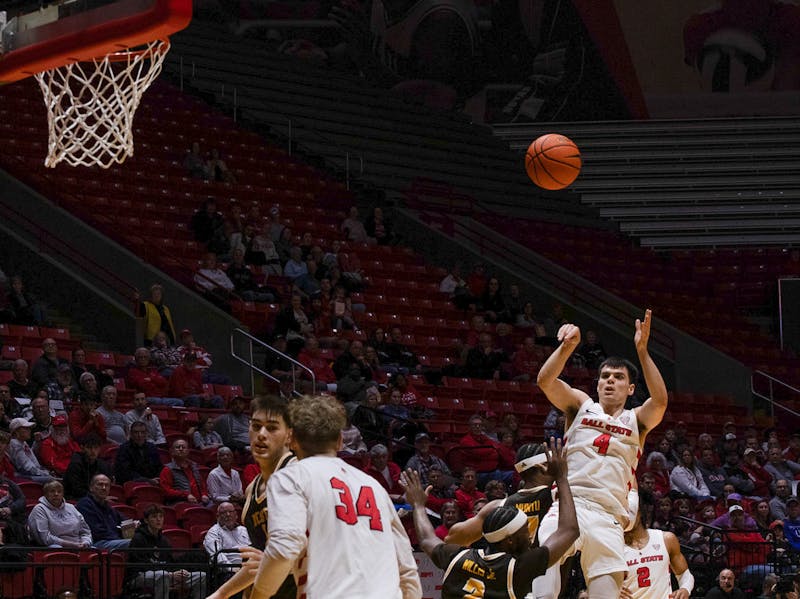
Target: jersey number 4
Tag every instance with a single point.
(601, 442)
(348, 512)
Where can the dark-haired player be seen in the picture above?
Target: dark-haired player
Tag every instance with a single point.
(534, 498)
(507, 568)
(268, 436)
(335, 525)
(604, 442)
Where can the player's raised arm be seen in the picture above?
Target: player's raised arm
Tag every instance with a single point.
(559, 393)
(469, 531)
(679, 567)
(417, 497)
(568, 531)
(652, 411)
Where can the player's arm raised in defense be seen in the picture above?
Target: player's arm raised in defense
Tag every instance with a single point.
(467, 532)
(418, 497)
(560, 394)
(652, 411)
(679, 567)
(410, 585)
(566, 534)
(244, 576)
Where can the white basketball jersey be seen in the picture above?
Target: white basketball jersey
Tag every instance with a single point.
(355, 545)
(602, 455)
(648, 569)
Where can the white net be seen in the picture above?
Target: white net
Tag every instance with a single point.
(90, 106)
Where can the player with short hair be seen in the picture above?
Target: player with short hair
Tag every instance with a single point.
(603, 442)
(268, 437)
(509, 565)
(651, 554)
(334, 524)
(534, 498)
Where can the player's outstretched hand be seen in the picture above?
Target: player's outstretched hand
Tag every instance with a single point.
(569, 335)
(556, 459)
(625, 593)
(415, 494)
(251, 557)
(642, 335)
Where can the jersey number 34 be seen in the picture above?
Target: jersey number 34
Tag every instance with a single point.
(365, 506)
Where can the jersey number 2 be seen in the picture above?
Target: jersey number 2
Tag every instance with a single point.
(601, 442)
(365, 506)
(643, 577)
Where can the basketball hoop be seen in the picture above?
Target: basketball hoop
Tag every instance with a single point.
(91, 105)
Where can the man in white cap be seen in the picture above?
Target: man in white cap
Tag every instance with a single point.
(21, 455)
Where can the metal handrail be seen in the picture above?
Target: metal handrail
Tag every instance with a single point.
(772, 382)
(262, 372)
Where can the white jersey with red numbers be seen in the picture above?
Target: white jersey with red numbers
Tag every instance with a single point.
(648, 569)
(602, 454)
(343, 530)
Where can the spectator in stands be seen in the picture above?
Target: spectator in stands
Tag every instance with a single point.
(194, 162)
(757, 474)
(213, 283)
(157, 316)
(526, 362)
(12, 502)
(379, 228)
(397, 418)
(456, 288)
(385, 471)
(9, 405)
(713, 475)
(293, 323)
(341, 310)
(311, 358)
(354, 229)
(207, 221)
(204, 436)
(24, 309)
(115, 423)
(234, 426)
(217, 170)
(441, 491)
(591, 351)
(164, 356)
(204, 362)
(86, 419)
(726, 588)
(243, 281)
(477, 280)
(354, 355)
(736, 476)
(180, 479)
(492, 302)
(398, 353)
(224, 483)
(762, 516)
(88, 387)
(42, 419)
(514, 303)
(482, 451)
(141, 412)
(379, 371)
(227, 533)
(137, 459)
(64, 390)
(284, 244)
(84, 465)
(792, 451)
(45, 367)
(263, 254)
(780, 467)
(687, 479)
(423, 460)
(153, 570)
(4, 419)
(657, 466)
(55, 523)
(20, 385)
(735, 517)
(367, 417)
(783, 490)
(529, 321)
(186, 383)
(450, 514)
(144, 377)
(25, 462)
(467, 492)
(352, 441)
(296, 270)
(104, 521)
(57, 449)
(485, 361)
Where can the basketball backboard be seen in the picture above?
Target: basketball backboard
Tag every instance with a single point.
(39, 39)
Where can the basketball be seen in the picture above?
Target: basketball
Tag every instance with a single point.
(553, 161)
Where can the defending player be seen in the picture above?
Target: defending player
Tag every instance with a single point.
(650, 555)
(333, 523)
(534, 499)
(509, 565)
(269, 435)
(603, 443)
